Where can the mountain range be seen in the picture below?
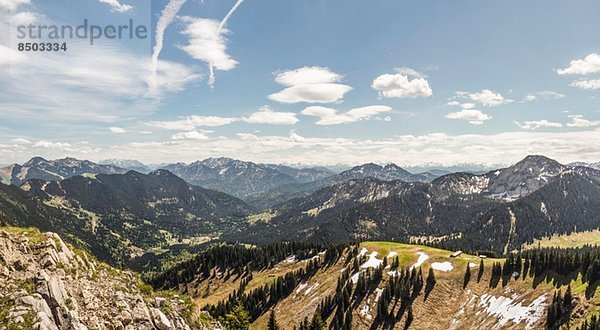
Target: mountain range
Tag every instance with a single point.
(121, 215)
(53, 170)
(496, 211)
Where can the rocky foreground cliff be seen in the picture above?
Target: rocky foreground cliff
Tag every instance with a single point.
(46, 285)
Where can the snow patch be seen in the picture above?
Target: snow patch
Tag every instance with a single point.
(422, 257)
(373, 262)
(378, 293)
(301, 287)
(362, 252)
(445, 266)
(365, 311)
(311, 288)
(506, 309)
(392, 254)
(472, 265)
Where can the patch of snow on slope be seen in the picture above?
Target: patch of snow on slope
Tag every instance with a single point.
(505, 309)
(354, 278)
(445, 266)
(312, 287)
(362, 252)
(472, 264)
(392, 254)
(373, 262)
(378, 293)
(365, 311)
(301, 287)
(422, 257)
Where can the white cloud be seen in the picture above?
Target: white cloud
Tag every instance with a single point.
(580, 122)
(11, 5)
(191, 122)
(313, 93)
(166, 17)
(543, 95)
(267, 116)
(586, 84)
(117, 130)
(113, 86)
(20, 141)
(310, 85)
(191, 135)
(429, 149)
(399, 85)
(51, 144)
(590, 64)
(24, 18)
(488, 98)
(207, 42)
(328, 116)
(474, 117)
(307, 75)
(116, 6)
(535, 124)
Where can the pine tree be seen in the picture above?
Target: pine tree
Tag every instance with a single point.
(272, 325)
(317, 323)
(568, 299)
(238, 319)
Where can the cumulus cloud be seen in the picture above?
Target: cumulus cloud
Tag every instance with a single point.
(116, 6)
(586, 84)
(474, 117)
(267, 116)
(543, 95)
(117, 130)
(488, 98)
(590, 64)
(20, 141)
(328, 116)
(405, 150)
(51, 144)
(310, 85)
(400, 84)
(192, 122)
(190, 135)
(580, 122)
(535, 124)
(307, 75)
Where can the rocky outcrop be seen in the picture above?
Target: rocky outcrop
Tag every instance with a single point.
(45, 285)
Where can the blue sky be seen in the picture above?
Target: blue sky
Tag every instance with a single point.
(311, 82)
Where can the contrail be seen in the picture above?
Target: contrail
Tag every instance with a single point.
(166, 17)
(211, 69)
(231, 11)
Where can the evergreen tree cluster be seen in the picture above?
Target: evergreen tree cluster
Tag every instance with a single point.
(563, 262)
(560, 309)
(238, 259)
(592, 324)
(260, 300)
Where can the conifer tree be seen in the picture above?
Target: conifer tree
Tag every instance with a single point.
(272, 325)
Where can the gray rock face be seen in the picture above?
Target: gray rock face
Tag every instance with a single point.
(525, 177)
(52, 288)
